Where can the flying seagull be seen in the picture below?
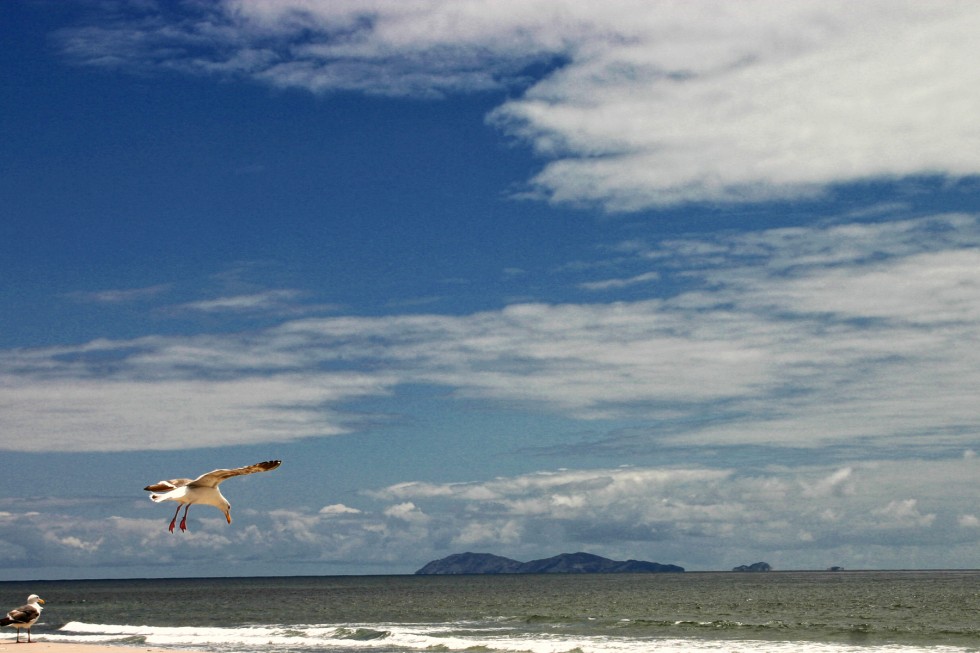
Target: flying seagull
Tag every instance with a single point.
(203, 489)
(24, 616)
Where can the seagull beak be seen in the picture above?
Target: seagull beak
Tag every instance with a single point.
(40, 600)
(228, 515)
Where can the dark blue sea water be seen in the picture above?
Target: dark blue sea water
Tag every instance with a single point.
(604, 613)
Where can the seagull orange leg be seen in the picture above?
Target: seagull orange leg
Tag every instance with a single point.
(173, 522)
(183, 522)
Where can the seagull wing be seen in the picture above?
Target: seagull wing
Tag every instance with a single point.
(23, 614)
(166, 486)
(213, 478)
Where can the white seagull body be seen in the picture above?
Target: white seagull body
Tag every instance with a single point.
(25, 616)
(203, 489)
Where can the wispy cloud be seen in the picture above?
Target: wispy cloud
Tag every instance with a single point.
(787, 341)
(608, 284)
(251, 302)
(120, 295)
(265, 301)
(646, 104)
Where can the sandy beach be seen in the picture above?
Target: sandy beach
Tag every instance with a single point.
(40, 646)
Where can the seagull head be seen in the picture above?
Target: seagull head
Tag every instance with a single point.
(34, 598)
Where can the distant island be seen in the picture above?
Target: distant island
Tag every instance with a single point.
(565, 563)
(755, 566)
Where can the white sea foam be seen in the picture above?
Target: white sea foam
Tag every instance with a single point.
(340, 638)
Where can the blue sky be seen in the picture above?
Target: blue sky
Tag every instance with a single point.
(694, 283)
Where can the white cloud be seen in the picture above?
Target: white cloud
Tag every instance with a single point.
(121, 295)
(263, 301)
(72, 542)
(904, 513)
(339, 509)
(495, 533)
(754, 101)
(607, 284)
(754, 352)
(84, 414)
(652, 103)
(407, 512)
(837, 483)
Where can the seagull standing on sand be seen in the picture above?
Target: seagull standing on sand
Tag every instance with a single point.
(203, 489)
(24, 616)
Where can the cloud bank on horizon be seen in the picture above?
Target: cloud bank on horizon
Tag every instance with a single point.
(844, 346)
(707, 518)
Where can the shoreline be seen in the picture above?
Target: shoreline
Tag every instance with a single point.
(41, 646)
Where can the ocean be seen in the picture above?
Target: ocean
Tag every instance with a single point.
(825, 612)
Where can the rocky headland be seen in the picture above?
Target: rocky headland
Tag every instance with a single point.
(755, 566)
(565, 563)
